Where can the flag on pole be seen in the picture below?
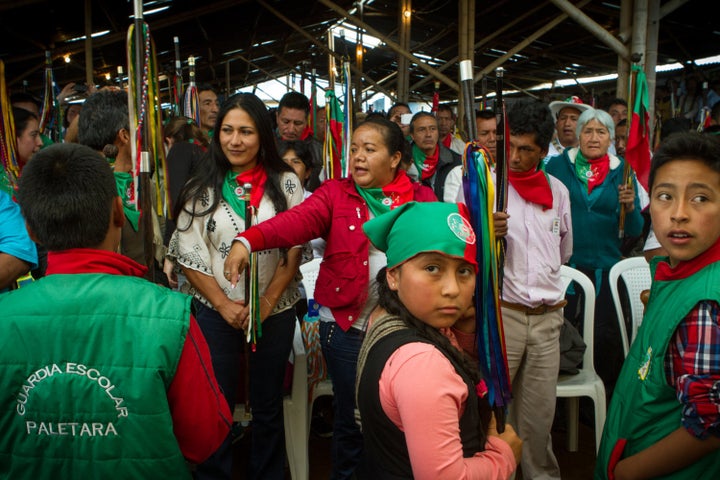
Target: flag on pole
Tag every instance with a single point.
(637, 153)
(333, 136)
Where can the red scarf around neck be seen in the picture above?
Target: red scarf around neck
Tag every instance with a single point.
(532, 186)
(430, 164)
(256, 177)
(689, 267)
(600, 168)
(447, 141)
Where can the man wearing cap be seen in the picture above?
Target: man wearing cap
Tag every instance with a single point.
(566, 114)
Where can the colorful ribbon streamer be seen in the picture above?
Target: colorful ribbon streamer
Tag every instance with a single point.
(146, 118)
(8, 141)
(479, 190)
(50, 113)
(192, 98)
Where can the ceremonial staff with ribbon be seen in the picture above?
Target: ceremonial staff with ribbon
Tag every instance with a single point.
(479, 192)
(254, 328)
(50, 123)
(138, 59)
(177, 86)
(8, 141)
(145, 123)
(192, 100)
(501, 176)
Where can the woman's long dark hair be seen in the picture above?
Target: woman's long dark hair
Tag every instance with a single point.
(390, 301)
(216, 165)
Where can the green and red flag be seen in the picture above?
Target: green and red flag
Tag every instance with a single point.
(637, 153)
(334, 151)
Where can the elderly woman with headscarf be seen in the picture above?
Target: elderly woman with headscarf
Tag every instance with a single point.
(597, 192)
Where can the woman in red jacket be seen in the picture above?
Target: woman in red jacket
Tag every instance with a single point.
(336, 212)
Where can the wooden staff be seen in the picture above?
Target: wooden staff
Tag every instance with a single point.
(331, 60)
(627, 178)
(178, 80)
(501, 180)
(248, 301)
(467, 83)
(144, 181)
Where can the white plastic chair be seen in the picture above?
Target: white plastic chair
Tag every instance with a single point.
(586, 383)
(297, 409)
(309, 272)
(635, 272)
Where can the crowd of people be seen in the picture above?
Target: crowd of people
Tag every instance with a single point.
(104, 374)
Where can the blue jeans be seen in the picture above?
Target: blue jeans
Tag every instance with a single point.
(267, 367)
(268, 364)
(341, 351)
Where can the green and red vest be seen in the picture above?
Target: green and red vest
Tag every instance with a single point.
(85, 364)
(644, 408)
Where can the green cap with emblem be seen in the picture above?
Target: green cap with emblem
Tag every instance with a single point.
(418, 227)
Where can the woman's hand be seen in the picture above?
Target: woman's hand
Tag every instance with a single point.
(508, 436)
(500, 223)
(627, 197)
(169, 270)
(235, 313)
(236, 262)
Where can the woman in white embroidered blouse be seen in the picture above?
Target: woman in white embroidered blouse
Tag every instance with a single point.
(211, 213)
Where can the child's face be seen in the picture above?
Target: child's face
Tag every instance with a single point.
(685, 208)
(437, 289)
(297, 165)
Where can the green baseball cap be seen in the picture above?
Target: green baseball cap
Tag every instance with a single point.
(417, 227)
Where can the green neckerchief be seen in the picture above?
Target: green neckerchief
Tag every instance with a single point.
(418, 159)
(231, 193)
(124, 183)
(376, 200)
(582, 169)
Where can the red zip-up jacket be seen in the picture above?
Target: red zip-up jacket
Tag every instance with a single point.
(336, 212)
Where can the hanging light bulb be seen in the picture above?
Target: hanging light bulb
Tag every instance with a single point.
(66, 57)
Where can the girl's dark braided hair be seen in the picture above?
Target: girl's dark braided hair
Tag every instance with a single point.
(390, 301)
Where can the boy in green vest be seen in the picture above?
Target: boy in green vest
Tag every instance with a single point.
(102, 374)
(664, 419)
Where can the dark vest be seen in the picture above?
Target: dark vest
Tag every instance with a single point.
(386, 455)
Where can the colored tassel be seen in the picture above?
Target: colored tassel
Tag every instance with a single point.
(479, 190)
(8, 140)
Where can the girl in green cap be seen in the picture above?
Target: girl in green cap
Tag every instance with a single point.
(422, 402)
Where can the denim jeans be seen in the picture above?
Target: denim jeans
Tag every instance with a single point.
(267, 365)
(341, 351)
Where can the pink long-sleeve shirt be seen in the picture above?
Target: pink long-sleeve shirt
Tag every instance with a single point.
(422, 394)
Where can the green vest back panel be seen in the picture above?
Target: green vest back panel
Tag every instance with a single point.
(644, 408)
(86, 362)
